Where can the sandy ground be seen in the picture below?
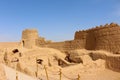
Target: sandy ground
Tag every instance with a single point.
(11, 74)
(97, 75)
(9, 44)
(91, 74)
(89, 70)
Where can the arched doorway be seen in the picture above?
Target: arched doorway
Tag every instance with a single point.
(23, 43)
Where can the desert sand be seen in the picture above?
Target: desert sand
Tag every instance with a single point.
(26, 67)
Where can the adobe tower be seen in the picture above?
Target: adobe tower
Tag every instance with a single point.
(29, 37)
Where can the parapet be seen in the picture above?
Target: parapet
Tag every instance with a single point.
(111, 26)
(105, 37)
(101, 27)
(30, 34)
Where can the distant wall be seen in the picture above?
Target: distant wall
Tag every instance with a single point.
(56, 45)
(74, 44)
(40, 42)
(66, 45)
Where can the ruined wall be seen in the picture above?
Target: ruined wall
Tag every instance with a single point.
(40, 42)
(29, 37)
(113, 63)
(105, 37)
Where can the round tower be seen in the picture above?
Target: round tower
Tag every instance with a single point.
(29, 37)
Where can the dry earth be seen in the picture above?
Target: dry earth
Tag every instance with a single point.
(88, 70)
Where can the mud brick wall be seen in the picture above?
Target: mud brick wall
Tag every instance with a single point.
(74, 44)
(66, 45)
(80, 35)
(56, 45)
(40, 42)
(113, 63)
(108, 39)
(105, 37)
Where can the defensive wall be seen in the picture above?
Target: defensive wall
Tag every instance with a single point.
(105, 37)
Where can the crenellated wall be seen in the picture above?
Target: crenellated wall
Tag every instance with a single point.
(105, 37)
(108, 38)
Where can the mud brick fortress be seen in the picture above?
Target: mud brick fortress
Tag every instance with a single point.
(103, 37)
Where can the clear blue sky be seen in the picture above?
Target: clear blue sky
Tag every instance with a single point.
(55, 20)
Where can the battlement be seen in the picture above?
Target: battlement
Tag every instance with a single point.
(106, 26)
(106, 37)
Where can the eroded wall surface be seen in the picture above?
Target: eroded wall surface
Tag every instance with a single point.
(113, 63)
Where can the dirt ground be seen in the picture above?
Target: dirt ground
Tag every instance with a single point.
(26, 67)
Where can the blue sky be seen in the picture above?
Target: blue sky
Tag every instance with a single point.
(55, 20)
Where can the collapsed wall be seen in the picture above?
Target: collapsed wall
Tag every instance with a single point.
(113, 63)
(112, 60)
